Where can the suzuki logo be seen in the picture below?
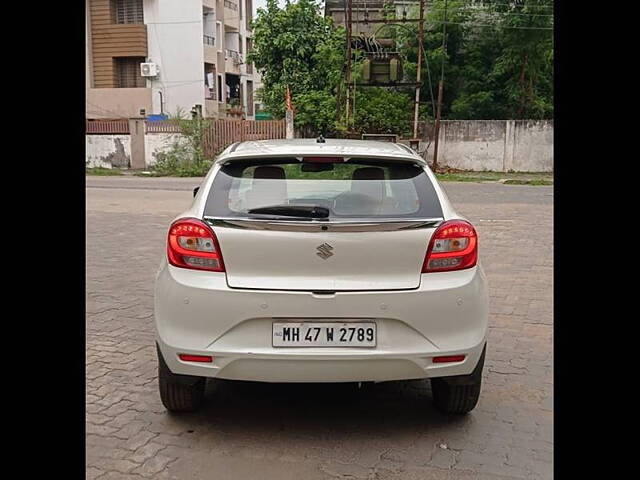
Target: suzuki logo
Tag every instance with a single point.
(324, 251)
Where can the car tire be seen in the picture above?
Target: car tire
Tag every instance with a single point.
(458, 395)
(179, 393)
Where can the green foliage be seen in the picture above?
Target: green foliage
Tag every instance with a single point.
(185, 156)
(383, 110)
(296, 47)
(317, 110)
(100, 171)
(504, 68)
(498, 64)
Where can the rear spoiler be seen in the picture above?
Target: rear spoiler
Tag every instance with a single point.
(227, 156)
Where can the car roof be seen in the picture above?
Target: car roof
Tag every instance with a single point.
(311, 147)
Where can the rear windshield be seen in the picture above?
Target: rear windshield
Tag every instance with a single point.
(356, 189)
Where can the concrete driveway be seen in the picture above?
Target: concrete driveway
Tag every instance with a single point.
(256, 431)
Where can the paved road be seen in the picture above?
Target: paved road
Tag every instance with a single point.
(260, 431)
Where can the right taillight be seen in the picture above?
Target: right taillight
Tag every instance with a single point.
(192, 244)
(453, 246)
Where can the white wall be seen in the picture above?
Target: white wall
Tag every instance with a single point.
(468, 145)
(108, 151)
(155, 143)
(496, 145)
(532, 146)
(174, 32)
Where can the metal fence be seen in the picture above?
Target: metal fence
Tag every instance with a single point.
(223, 133)
(107, 126)
(219, 135)
(161, 127)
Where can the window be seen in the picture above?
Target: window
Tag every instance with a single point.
(249, 66)
(127, 70)
(359, 188)
(249, 97)
(128, 11)
(208, 26)
(210, 81)
(249, 15)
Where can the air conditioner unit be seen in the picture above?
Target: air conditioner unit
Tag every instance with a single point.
(149, 69)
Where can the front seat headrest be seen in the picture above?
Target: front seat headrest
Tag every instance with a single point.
(368, 173)
(269, 172)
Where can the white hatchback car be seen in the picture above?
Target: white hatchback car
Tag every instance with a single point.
(321, 261)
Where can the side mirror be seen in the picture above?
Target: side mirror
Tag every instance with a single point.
(195, 191)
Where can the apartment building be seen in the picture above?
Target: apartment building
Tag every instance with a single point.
(194, 54)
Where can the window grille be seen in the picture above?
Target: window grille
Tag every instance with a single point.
(129, 11)
(128, 72)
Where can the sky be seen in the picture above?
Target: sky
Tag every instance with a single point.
(262, 3)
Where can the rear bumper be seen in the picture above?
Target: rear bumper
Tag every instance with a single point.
(288, 367)
(197, 313)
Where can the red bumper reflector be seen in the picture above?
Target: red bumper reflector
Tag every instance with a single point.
(449, 359)
(195, 358)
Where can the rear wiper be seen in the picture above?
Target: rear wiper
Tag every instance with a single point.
(301, 211)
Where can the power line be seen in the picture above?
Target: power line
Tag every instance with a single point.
(502, 14)
(183, 81)
(172, 23)
(473, 5)
(488, 4)
(117, 115)
(184, 84)
(508, 13)
(494, 25)
(181, 22)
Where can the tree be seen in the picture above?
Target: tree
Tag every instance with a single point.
(497, 62)
(383, 110)
(524, 65)
(508, 63)
(297, 47)
(457, 16)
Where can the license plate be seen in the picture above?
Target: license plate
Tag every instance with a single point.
(324, 334)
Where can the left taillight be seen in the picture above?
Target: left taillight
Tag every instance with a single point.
(192, 244)
(453, 246)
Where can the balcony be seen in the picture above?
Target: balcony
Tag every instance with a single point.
(233, 60)
(231, 15)
(234, 55)
(209, 40)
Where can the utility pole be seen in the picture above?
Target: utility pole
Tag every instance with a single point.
(420, 50)
(436, 132)
(290, 132)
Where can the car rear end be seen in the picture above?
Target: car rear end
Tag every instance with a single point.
(346, 264)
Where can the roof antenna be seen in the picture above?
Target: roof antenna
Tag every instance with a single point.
(320, 139)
